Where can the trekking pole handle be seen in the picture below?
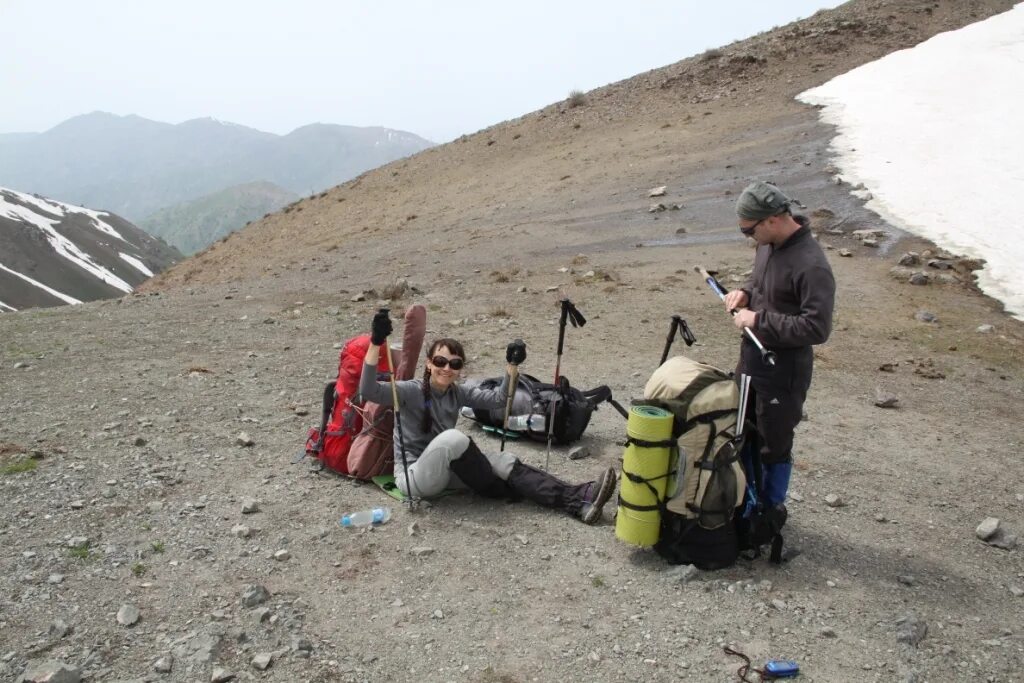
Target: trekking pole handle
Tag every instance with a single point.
(562, 319)
(682, 330)
(673, 328)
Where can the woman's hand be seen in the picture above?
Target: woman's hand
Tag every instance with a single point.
(380, 328)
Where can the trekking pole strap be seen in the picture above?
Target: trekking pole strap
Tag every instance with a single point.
(776, 552)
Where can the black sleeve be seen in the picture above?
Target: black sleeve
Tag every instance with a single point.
(816, 289)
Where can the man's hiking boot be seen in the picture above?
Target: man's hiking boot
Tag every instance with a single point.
(597, 495)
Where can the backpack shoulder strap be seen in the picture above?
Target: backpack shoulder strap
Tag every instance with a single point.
(603, 394)
(325, 414)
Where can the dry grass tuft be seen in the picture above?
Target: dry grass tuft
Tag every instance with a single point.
(576, 99)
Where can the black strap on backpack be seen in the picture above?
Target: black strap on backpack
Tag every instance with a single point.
(325, 416)
(659, 504)
(603, 394)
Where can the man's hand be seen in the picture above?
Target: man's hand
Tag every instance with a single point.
(744, 318)
(380, 328)
(735, 299)
(515, 353)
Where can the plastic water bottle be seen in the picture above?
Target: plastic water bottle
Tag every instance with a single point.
(524, 423)
(374, 517)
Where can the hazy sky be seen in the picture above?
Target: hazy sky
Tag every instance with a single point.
(438, 69)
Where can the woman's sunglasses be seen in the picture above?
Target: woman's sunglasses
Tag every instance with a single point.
(442, 362)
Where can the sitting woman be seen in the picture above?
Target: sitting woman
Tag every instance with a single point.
(438, 456)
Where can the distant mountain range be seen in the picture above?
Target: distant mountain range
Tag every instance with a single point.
(135, 167)
(52, 253)
(193, 225)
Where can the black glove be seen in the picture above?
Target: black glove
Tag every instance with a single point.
(381, 328)
(515, 353)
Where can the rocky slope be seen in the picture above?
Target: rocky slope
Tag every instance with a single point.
(130, 548)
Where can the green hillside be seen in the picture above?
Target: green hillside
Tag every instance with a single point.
(192, 226)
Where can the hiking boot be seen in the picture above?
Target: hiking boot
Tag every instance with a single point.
(596, 495)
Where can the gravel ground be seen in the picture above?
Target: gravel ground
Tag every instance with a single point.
(126, 487)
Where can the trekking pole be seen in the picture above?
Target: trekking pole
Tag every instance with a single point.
(514, 354)
(398, 415)
(571, 314)
(767, 357)
(741, 413)
(678, 326)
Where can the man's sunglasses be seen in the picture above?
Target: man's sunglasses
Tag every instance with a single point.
(749, 231)
(442, 362)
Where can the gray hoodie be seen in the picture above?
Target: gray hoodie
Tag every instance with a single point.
(444, 407)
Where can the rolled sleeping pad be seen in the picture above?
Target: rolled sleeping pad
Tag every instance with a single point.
(638, 520)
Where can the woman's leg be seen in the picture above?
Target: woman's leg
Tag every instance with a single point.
(584, 501)
(453, 453)
(430, 474)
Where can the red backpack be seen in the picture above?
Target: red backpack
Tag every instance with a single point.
(340, 419)
(354, 438)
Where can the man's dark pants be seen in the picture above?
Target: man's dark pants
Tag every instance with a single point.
(777, 402)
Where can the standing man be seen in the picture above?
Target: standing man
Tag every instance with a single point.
(787, 303)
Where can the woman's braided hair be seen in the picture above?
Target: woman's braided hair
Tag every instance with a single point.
(454, 348)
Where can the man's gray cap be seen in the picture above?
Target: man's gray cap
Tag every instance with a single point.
(761, 200)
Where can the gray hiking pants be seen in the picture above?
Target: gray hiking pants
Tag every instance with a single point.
(431, 473)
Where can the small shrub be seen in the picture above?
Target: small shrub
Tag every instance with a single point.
(157, 546)
(576, 99)
(395, 291)
(713, 53)
(26, 465)
(597, 581)
(138, 569)
(499, 312)
(81, 552)
(500, 276)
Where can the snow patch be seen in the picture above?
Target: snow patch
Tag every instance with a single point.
(934, 134)
(136, 264)
(61, 244)
(60, 295)
(61, 209)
